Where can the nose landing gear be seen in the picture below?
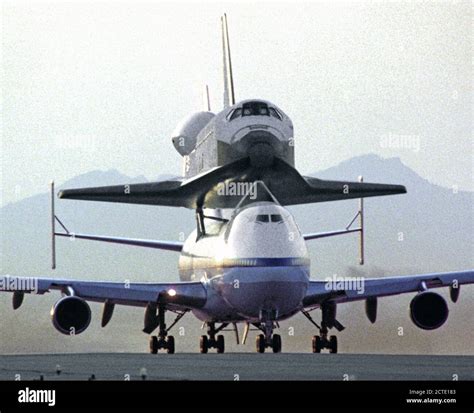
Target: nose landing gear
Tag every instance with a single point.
(274, 343)
(267, 339)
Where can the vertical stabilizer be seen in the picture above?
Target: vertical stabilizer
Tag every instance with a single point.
(229, 97)
(207, 99)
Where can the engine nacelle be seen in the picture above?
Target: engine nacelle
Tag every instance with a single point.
(185, 134)
(71, 315)
(428, 310)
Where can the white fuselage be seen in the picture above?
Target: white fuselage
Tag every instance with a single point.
(254, 265)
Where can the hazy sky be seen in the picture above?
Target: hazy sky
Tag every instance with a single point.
(102, 85)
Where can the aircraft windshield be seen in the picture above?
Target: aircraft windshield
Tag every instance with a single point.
(274, 113)
(268, 218)
(254, 109)
(262, 218)
(236, 114)
(277, 218)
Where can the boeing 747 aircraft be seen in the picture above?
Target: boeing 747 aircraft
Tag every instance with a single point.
(247, 261)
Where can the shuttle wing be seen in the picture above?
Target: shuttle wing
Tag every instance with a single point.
(322, 291)
(179, 296)
(210, 189)
(319, 190)
(167, 193)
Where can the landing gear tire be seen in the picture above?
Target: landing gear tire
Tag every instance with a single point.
(333, 344)
(276, 343)
(220, 344)
(260, 343)
(317, 344)
(170, 345)
(153, 345)
(203, 344)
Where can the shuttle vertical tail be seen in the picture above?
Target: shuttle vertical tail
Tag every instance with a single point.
(206, 99)
(229, 97)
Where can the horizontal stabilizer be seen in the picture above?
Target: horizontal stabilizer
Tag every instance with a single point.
(219, 188)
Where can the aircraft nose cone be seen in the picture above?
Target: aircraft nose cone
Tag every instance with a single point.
(253, 290)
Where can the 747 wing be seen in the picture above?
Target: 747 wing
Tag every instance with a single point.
(180, 296)
(428, 309)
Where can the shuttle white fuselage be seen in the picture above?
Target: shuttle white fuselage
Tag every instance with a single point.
(251, 128)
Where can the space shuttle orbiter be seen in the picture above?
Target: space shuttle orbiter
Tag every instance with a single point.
(248, 141)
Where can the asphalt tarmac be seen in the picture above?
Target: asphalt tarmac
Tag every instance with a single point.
(235, 366)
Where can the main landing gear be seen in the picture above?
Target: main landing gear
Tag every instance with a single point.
(211, 340)
(162, 340)
(322, 341)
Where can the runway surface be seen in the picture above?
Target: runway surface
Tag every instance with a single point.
(233, 366)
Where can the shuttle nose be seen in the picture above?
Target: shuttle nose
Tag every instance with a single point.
(261, 154)
(260, 143)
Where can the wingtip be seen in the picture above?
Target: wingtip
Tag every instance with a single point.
(398, 189)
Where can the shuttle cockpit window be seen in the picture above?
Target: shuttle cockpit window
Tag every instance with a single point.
(274, 113)
(262, 218)
(235, 114)
(255, 109)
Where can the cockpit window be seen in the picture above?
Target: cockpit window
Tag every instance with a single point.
(276, 218)
(255, 109)
(236, 114)
(274, 113)
(269, 218)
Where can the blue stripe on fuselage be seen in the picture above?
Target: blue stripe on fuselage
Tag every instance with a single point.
(202, 261)
(265, 262)
(191, 265)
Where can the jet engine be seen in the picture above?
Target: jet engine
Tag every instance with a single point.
(71, 315)
(428, 310)
(185, 134)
